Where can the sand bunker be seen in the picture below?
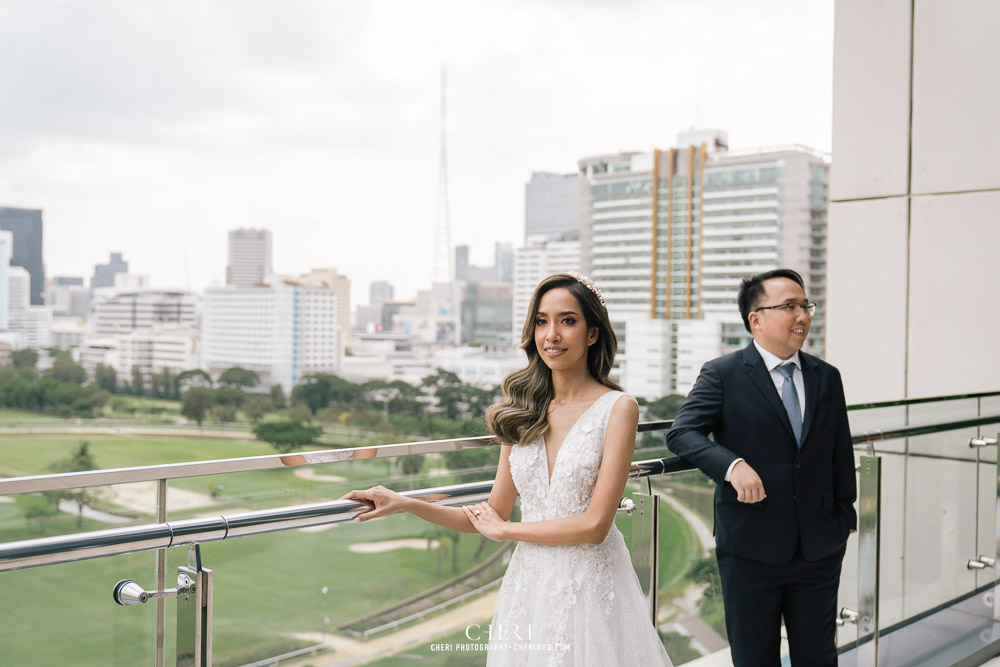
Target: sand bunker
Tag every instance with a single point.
(141, 496)
(313, 476)
(317, 529)
(7, 499)
(391, 545)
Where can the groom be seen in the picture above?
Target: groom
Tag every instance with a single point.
(784, 468)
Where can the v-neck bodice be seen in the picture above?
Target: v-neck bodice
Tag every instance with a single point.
(574, 472)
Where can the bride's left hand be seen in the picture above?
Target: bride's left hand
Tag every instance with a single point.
(486, 520)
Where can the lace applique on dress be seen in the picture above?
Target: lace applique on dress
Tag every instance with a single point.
(570, 605)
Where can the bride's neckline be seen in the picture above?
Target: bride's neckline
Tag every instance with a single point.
(545, 449)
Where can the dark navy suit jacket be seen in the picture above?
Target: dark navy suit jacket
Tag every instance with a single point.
(810, 490)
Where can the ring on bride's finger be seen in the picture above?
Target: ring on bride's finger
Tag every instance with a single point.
(477, 512)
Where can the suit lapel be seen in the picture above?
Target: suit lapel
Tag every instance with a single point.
(765, 385)
(810, 379)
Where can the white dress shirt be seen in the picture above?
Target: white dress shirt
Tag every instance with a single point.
(772, 361)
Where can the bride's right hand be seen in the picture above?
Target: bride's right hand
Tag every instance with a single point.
(380, 501)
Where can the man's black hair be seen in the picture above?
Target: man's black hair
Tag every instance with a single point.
(752, 290)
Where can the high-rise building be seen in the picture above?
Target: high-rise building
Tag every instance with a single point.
(555, 204)
(32, 324)
(486, 313)
(283, 331)
(503, 262)
(67, 295)
(26, 226)
(126, 311)
(541, 257)
(679, 250)
(104, 274)
(6, 252)
(249, 257)
(380, 290)
(461, 262)
(340, 284)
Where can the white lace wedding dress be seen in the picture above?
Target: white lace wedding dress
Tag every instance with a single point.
(574, 605)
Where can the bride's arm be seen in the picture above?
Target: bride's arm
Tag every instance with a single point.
(592, 526)
(388, 502)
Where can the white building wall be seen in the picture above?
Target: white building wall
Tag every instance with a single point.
(283, 331)
(540, 258)
(645, 368)
(914, 190)
(122, 312)
(697, 341)
(249, 257)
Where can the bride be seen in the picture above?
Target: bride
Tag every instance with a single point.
(567, 434)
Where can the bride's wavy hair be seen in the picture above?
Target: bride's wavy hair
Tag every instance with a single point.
(523, 415)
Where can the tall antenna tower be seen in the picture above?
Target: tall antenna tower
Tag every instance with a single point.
(449, 326)
(443, 254)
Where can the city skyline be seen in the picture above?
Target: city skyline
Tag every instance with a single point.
(152, 131)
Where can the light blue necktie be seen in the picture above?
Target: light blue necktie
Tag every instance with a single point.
(790, 399)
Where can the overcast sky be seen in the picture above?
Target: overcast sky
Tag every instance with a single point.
(152, 128)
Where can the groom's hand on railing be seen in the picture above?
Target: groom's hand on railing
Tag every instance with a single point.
(745, 480)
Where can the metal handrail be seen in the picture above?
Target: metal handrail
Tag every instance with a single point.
(96, 544)
(90, 478)
(101, 543)
(918, 401)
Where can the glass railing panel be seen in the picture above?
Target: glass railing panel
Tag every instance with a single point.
(873, 420)
(847, 594)
(332, 585)
(691, 620)
(940, 532)
(987, 524)
(64, 614)
(892, 554)
(989, 407)
(949, 444)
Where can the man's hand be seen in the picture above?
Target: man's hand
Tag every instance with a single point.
(746, 481)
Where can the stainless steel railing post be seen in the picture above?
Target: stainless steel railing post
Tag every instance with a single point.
(869, 535)
(159, 571)
(996, 542)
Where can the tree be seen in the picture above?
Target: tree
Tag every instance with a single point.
(106, 377)
(231, 396)
(239, 377)
(137, 381)
(665, 407)
(224, 413)
(412, 463)
(256, 407)
(300, 413)
(25, 362)
(192, 378)
(195, 404)
(64, 369)
(285, 436)
(278, 396)
(320, 390)
(78, 461)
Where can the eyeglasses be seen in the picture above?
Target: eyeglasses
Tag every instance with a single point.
(791, 308)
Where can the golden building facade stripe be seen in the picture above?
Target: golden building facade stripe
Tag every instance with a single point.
(656, 231)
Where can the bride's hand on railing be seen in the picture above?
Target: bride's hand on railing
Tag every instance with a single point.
(380, 501)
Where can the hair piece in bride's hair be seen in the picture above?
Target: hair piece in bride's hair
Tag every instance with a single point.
(522, 416)
(589, 284)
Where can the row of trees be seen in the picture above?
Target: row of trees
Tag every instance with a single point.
(62, 389)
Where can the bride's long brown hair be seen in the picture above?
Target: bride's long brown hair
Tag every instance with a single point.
(523, 415)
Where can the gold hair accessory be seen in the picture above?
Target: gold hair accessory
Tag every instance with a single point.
(589, 284)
